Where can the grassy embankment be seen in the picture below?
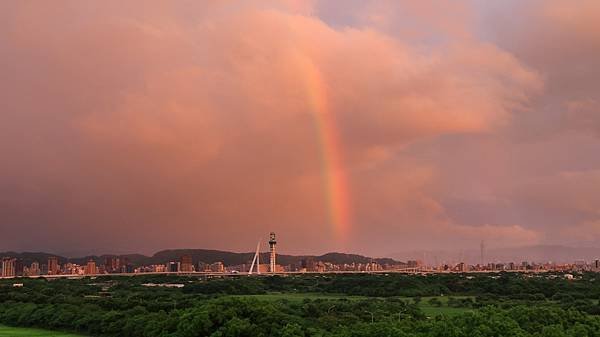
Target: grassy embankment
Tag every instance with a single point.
(7, 331)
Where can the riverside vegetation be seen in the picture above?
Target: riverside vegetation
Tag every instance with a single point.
(442, 305)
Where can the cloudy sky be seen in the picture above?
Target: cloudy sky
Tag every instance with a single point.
(363, 126)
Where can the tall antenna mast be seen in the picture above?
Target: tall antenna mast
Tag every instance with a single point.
(482, 250)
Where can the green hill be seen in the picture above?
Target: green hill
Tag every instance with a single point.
(201, 255)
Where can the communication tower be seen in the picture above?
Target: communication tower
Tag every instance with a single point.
(272, 243)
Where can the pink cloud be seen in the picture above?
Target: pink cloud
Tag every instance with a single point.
(193, 125)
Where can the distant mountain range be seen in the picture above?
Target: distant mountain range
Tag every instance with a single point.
(537, 253)
(200, 255)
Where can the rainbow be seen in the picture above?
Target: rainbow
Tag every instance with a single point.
(334, 177)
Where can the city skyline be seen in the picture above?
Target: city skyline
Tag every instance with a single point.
(534, 254)
(187, 264)
(209, 263)
(370, 127)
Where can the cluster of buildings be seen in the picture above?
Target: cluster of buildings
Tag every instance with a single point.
(315, 266)
(13, 267)
(311, 265)
(524, 266)
(184, 265)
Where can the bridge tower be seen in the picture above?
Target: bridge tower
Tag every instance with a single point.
(256, 260)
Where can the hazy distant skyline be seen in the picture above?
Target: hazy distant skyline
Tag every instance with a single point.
(371, 127)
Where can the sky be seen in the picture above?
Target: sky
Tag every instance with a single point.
(371, 127)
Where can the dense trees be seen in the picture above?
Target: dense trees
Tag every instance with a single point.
(498, 305)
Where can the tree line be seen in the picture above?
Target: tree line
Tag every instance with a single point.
(498, 305)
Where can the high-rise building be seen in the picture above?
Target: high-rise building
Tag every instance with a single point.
(201, 266)
(307, 264)
(126, 266)
(112, 264)
(19, 268)
(173, 267)
(71, 268)
(217, 267)
(90, 267)
(53, 267)
(34, 269)
(272, 261)
(412, 263)
(187, 266)
(263, 268)
(8, 267)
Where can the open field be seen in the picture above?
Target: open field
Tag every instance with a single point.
(444, 309)
(7, 331)
(300, 296)
(427, 308)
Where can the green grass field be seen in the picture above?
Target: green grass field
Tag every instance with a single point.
(299, 296)
(431, 310)
(428, 309)
(6, 331)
